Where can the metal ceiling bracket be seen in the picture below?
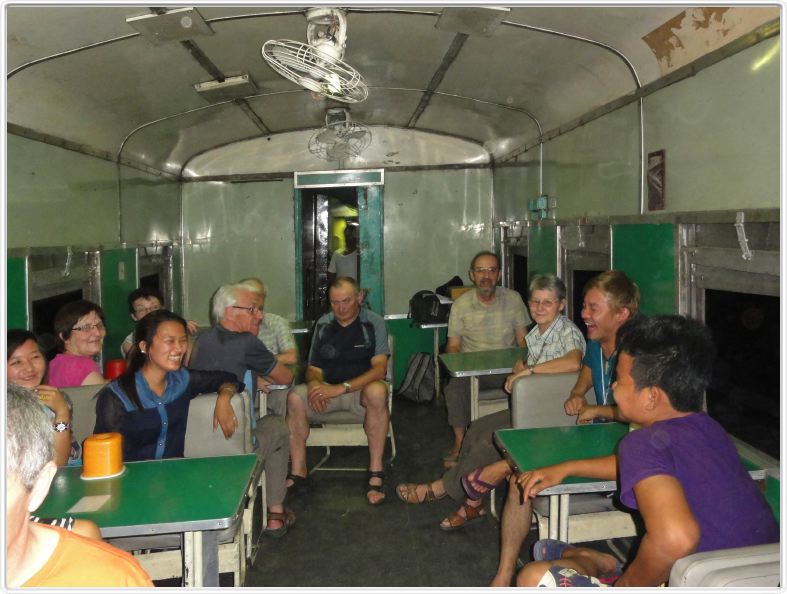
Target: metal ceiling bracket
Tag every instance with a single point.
(741, 232)
(178, 24)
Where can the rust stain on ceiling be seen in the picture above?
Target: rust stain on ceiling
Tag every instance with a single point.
(698, 31)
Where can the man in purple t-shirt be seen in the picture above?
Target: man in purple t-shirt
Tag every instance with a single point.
(680, 469)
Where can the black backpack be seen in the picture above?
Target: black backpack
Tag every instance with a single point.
(418, 382)
(425, 308)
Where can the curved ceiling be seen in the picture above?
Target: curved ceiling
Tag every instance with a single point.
(81, 74)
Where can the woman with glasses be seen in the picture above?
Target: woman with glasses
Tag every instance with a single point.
(79, 327)
(554, 345)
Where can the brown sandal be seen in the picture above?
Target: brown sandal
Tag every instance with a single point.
(455, 521)
(411, 493)
(287, 518)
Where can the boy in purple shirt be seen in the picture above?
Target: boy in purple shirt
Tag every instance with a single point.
(680, 470)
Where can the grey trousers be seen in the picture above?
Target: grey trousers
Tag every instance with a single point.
(273, 437)
(457, 396)
(478, 449)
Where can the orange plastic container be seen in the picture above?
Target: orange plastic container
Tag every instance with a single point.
(102, 456)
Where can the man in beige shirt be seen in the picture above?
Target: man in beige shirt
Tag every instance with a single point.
(488, 318)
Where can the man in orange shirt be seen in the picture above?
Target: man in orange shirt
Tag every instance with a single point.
(44, 556)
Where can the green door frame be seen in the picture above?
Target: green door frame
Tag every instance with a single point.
(369, 183)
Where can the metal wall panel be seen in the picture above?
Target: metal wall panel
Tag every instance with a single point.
(720, 130)
(58, 197)
(149, 207)
(237, 230)
(435, 221)
(594, 170)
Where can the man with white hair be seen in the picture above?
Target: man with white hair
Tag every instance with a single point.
(39, 555)
(231, 344)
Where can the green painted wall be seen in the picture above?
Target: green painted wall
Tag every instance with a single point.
(237, 230)
(118, 279)
(435, 221)
(720, 130)
(646, 253)
(409, 340)
(16, 293)
(370, 218)
(542, 250)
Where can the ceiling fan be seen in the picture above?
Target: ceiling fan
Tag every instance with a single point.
(318, 66)
(340, 138)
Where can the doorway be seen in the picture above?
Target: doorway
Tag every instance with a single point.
(324, 209)
(329, 221)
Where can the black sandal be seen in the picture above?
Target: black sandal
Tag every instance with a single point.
(380, 474)
(300, 484)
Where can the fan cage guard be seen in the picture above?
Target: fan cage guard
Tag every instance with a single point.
(317, 71)
(336, 142)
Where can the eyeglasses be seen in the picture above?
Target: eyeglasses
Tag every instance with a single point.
(545, 302)
(89, 327)
(489, 270)
(252, 310)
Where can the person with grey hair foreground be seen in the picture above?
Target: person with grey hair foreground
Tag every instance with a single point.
(38, 555)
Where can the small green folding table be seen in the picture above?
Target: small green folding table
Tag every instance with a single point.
(526, 449)
(194, 496)
(474, 365)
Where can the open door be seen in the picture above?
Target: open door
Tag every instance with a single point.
(326, 202)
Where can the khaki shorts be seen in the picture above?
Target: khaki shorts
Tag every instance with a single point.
(350, 402)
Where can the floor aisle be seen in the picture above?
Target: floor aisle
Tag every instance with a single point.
(339, 540)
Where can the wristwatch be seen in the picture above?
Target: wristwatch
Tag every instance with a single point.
(61, 426)
(347, 387)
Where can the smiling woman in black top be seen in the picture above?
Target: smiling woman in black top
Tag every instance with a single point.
(149, 403)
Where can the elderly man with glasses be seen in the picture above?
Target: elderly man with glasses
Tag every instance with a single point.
(231, 344)
(488, 318)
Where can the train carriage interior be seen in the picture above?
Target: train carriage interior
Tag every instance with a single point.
(188, 146)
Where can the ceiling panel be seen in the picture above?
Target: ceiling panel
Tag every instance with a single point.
(38, 31)
(169, 144)
(98, 96)
(556, 79)
(289, 152)
(473, 120)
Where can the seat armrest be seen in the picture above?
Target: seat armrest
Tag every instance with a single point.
(743, 567)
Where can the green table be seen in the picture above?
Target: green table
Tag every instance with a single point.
(526, 449)
(193, 496)
(474, 365)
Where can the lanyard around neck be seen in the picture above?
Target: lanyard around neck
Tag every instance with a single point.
(606, 381)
